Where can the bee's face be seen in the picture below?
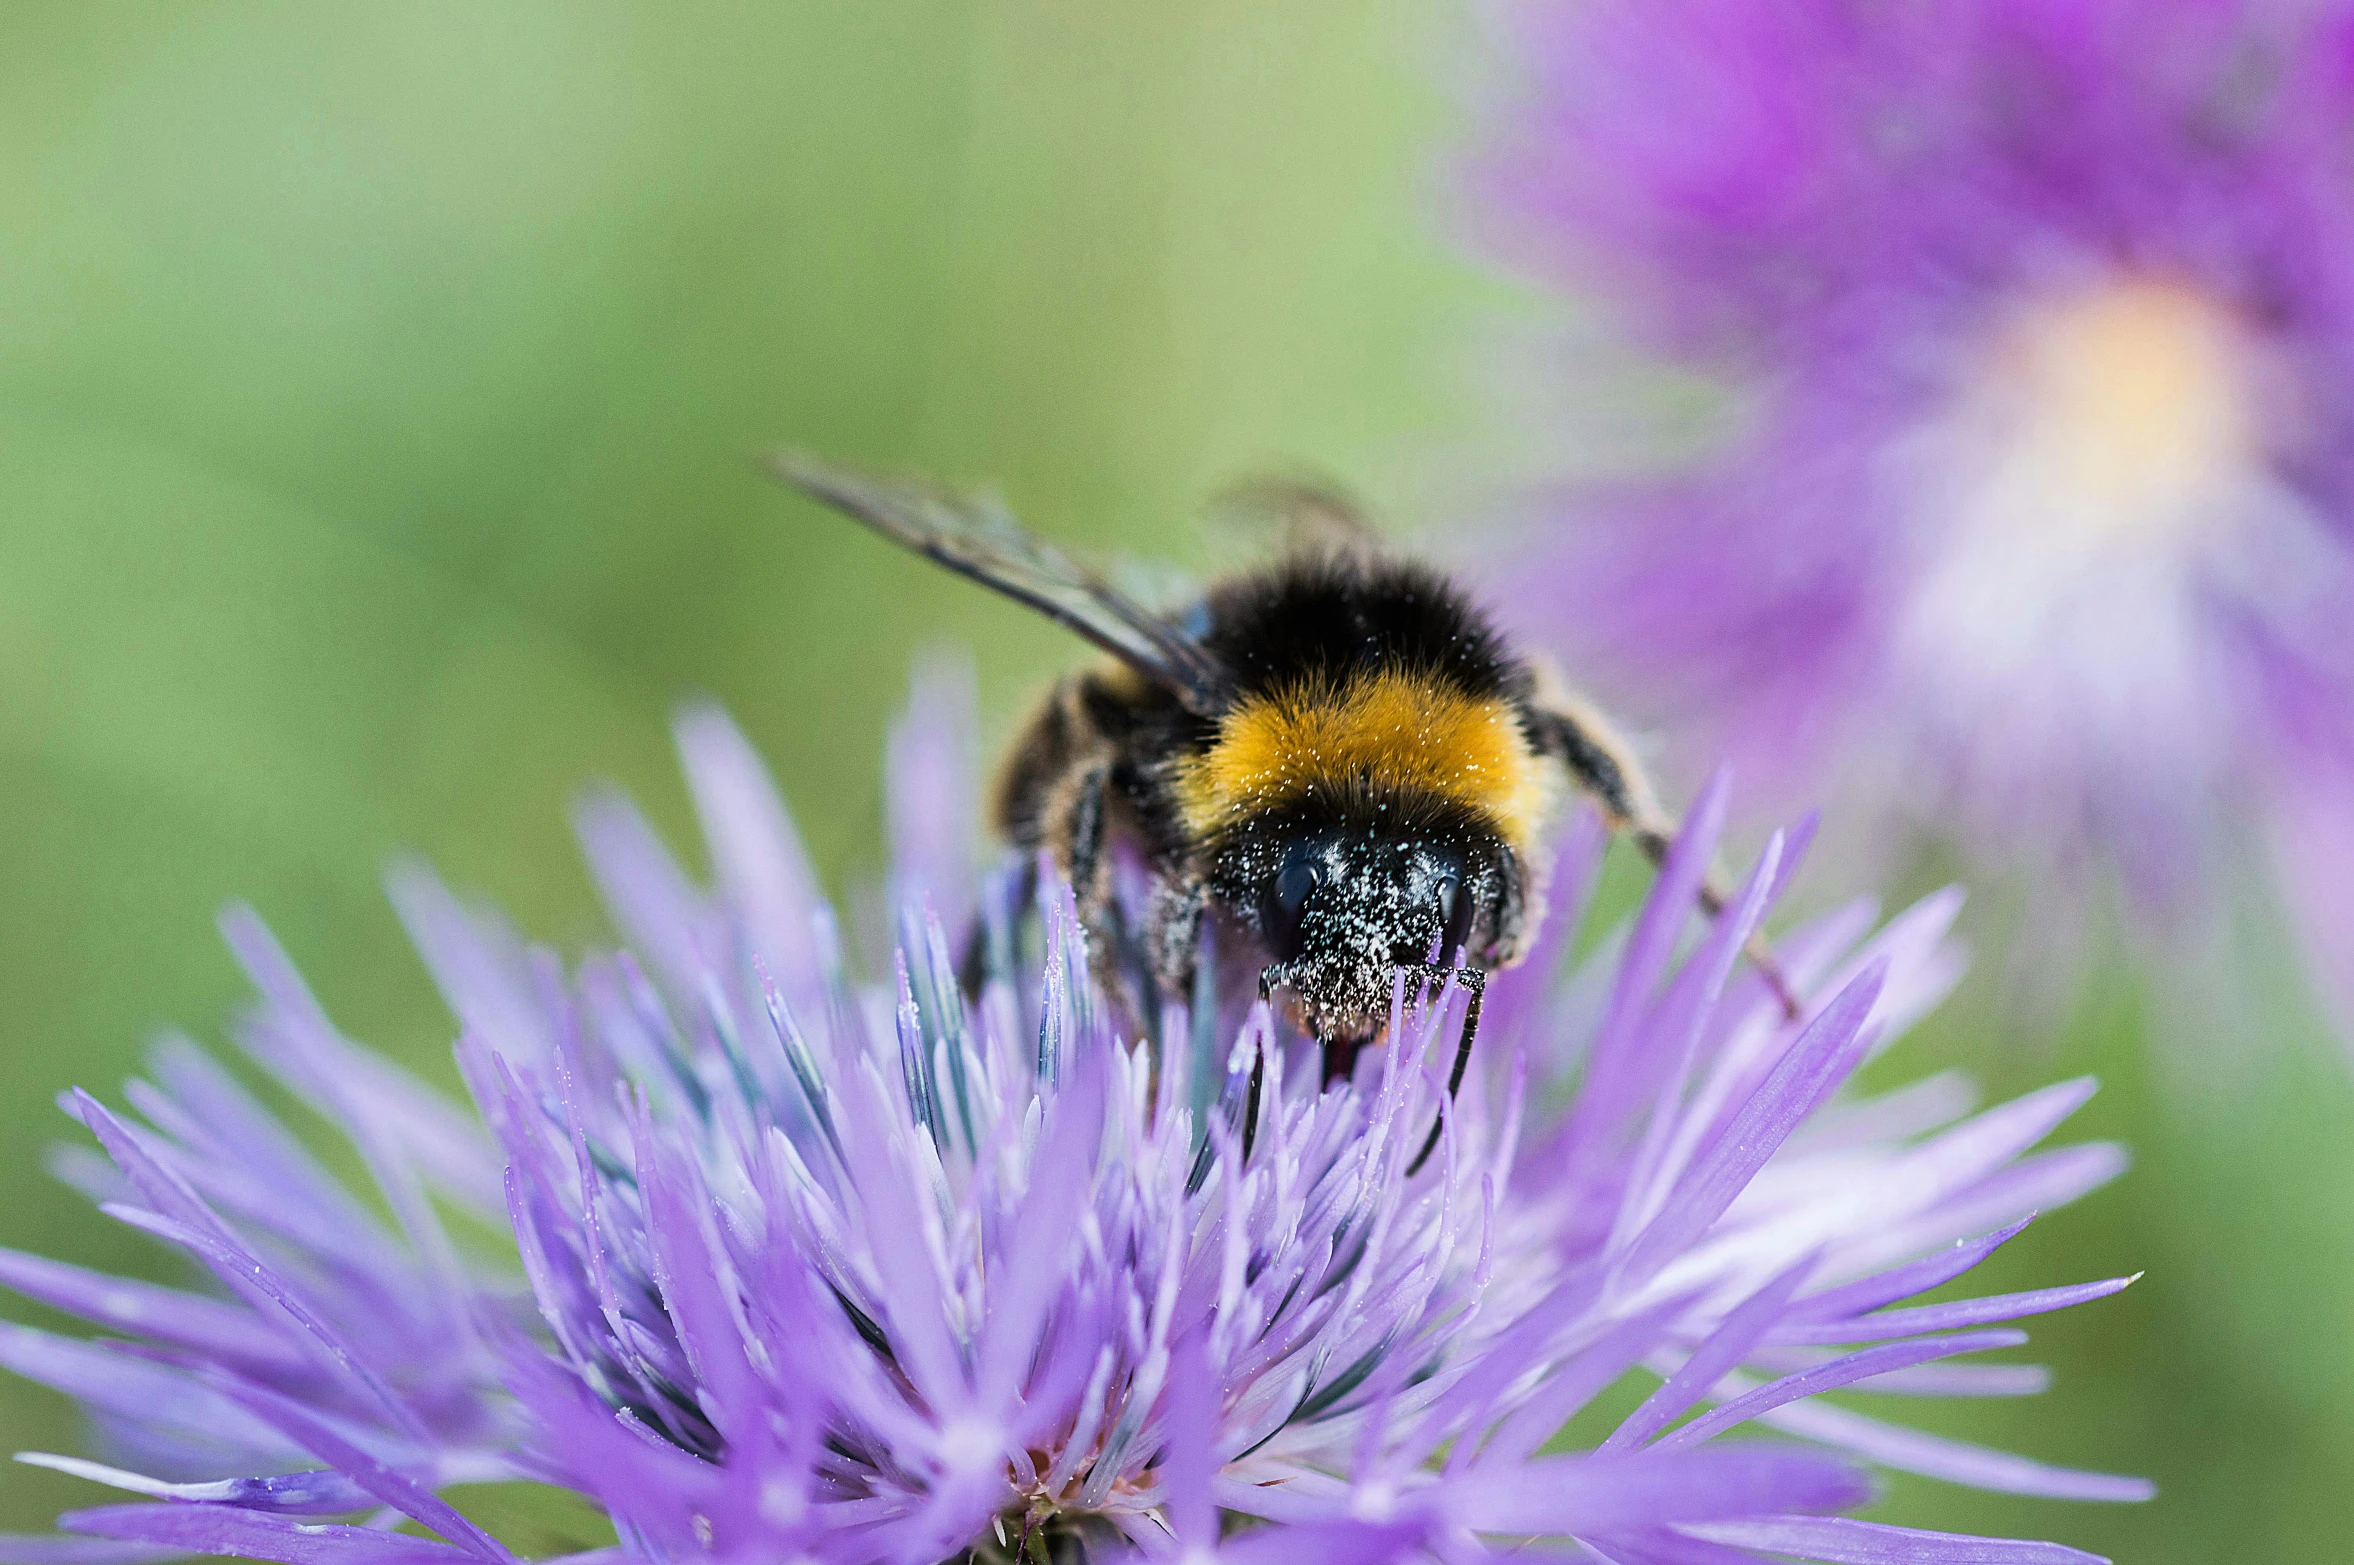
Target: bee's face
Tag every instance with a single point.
(1340, 910)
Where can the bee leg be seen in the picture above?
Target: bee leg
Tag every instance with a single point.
(1169, 961)
(1173, 931)
(1475, 983)
(989, 947)
(1055, 800)
(1654, 841)
(1078, 840)
(1601, 764)
(1077, 820)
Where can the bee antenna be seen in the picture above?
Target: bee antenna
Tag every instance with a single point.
(1250, 1111)
(1475, 985)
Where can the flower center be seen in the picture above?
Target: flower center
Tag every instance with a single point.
(2099, 461)
(2127, 412)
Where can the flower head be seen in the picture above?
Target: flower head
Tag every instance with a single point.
(805, 1271)
(2039, 509)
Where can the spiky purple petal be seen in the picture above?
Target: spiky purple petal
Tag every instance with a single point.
(858, 1275)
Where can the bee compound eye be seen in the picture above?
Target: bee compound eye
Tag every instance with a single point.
(1295, 883)
(1287, 897)
(1455, 909)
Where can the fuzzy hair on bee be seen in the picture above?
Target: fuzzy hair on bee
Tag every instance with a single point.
(1338, 754)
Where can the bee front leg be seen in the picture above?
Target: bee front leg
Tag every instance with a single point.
(1069, 819)
(1602, 764)
(1078, 832)
(1173, 933)
(996, 929)
(1077, 821)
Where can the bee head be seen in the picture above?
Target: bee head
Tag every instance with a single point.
(1340, 906)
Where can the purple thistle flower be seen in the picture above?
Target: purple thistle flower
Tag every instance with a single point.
(815, 1272)
(2035, 519)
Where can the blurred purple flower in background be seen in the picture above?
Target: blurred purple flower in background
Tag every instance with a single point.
(814, 1273)
(2037, 519)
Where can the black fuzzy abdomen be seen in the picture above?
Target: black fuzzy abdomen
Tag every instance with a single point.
(1326, 618)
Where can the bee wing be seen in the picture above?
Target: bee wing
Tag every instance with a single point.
(974, 536)
(1309, 515)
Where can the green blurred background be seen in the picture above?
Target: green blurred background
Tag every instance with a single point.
(376, 392)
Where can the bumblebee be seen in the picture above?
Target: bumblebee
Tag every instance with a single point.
(1339, 752)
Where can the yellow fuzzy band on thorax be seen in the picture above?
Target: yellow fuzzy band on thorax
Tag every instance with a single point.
(1389, 732)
